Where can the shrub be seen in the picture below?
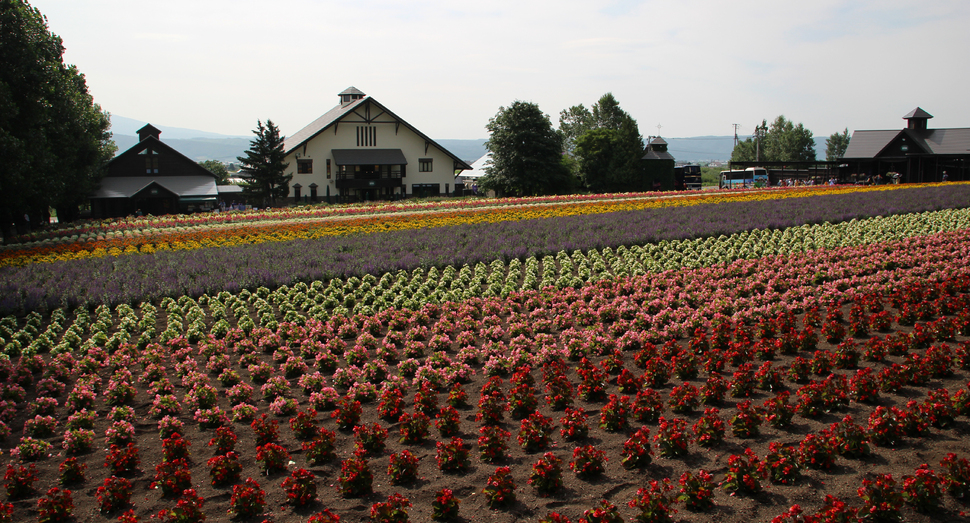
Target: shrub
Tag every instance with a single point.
(188, 509)
(574, 425)
(114, 494)
(72, 471)
(850, 440)
(266, 430)
(403, 467)
(709, 429)
(452, 456)
(782, 463)
(957, 475)
(445, 505)
(304, 425)
(122, 459)
(172, 477)
(697, 491)
(648, 406)
(355, 478)
(500, 488)
(320, 450)
(56, 507)
(880, 499)
(272, 458)
(20, 480)
(546, 475)
(653, 504)
(535, 432)
(224, 470)
(493, 442)
(394, 510)
(672, 437)
(605, 512)
(744, 473)
(175, 447)
(447, 421)
(588, 461)
(636, 450)
(300, 487)
(370, 441)
(224, 440)
(414, 428)
(924, 489)
(248, 500)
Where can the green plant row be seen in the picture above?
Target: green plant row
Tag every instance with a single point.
(411, 290)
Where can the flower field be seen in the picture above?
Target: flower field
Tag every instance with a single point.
(775, 356)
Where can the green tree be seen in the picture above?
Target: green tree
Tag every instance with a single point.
(782, 141)
(526, 153)
(217, 168)
(54, 140)
(609, 152)
(263, 166)
(573, 123)
(836, 144)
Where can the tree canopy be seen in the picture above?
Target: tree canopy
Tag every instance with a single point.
(263, 166)
(836, 144)
(782, 141)
(607, 145)
(217, 168)
(526, 153)
(54, 140)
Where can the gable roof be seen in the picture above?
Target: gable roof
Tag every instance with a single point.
(334, 115)
(128, 186)
(869, 144)
(157, 145)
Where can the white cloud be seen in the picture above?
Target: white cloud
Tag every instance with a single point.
(694, 66)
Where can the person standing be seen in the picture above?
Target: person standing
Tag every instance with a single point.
(945, 177)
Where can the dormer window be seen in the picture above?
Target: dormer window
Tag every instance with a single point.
(151, 161)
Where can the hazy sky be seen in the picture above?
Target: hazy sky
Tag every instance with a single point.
(695, 67)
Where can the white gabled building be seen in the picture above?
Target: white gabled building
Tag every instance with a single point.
(360, 150)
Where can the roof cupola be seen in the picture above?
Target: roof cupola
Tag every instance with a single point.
(916, 119)
(350, 94)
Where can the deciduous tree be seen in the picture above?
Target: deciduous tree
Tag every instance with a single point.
(782, 141)
(263, 166)
(526, 153)
(217, 168)
(609, 151)
(836, 144)
(54, 140)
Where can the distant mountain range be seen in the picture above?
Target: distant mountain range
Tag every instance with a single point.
(203, 145)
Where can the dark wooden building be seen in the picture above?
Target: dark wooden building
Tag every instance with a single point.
(153, 178)
(917, 153)
(658, 166)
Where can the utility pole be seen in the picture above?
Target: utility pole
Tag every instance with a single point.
(736, 125)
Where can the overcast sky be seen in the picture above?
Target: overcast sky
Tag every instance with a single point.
(694, 67)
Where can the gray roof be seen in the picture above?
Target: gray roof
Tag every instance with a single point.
(657, 155)
(334, 115)
(659, 141)
(369, 157)
(868, 144)
(352, 90)
(917, 113)
(319, 125)
(128, 186)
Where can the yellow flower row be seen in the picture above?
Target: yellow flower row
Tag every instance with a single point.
(297, 229)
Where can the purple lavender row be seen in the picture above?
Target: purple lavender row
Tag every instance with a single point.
(135, 278)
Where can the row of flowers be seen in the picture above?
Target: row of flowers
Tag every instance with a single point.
(178, 224)
(133, 279)
(280, 231)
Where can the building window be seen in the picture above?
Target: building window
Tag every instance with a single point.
(328, 168)
(151, 164)
(425, 165)
(304, 166)
(367, 136)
